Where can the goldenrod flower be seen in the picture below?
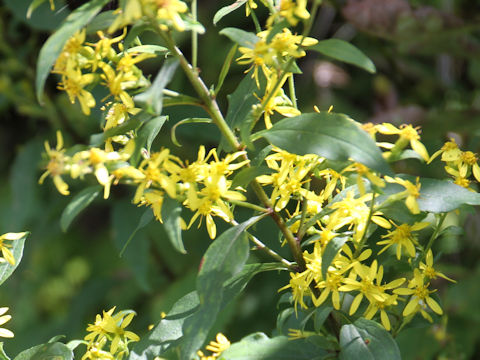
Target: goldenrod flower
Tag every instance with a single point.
(420, 297)
(112, 327)
(3, 319)
(428, 271)
(408, 134)
(294, 10)
(220, 345)
(73, 83)
(7, 254)
(57, 165)
(411, 193)
(402, 237)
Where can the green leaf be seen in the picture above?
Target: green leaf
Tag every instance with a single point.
(333, 136)
(236, 284)
(168, 331)
(240, 104)
(152, 98)
(171, 210)
(225, 68)
(101, 22)
(367, 340)
(3, 355)
(125, 218)
(77, 204)
(187, 121)
(331, 250)
(321, 314)
(226, 10)
(131, 124)
(145, 137)
(241, 37)
(148, 49)
(246, 175)
(49, 351)
(260, 347)
(437, 196)
(344, 51)
(146, 219)
(54, 45)
(6, 269)
(224, 258)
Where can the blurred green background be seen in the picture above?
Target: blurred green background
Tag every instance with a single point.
(427, 55)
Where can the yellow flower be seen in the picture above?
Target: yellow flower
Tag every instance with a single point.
(3, 319)
(408, 134)
(7, 254)
(112, 327)
(411, 193)
(402, 237)
(220, 345)
(117, 82)
(57, 165)
(428, 270)
(170, 10)
(249, 6)
(294, 10)
(420, 297)
(73, 83)
(363, 171)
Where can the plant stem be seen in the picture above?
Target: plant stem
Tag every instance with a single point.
(291, 89)
(432, 238)
(194, 37)
(248, 205)
(261, 246)
(258, 28)
(363, 240)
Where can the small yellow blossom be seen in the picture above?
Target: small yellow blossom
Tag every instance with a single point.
(73, 83)
(3, 319)
(7, 254)
(57, 165)
(408, 134)
(411, 193)
(402, 237)
(428, 270)
(420, 298)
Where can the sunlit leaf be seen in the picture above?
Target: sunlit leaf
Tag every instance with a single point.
(344, 51)
(333, 136)
(54, 45)
(365, 339)
(77, 204)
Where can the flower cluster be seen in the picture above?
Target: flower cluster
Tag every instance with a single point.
(459, 164)
(167, 13)
(203, 186)
(82, 65)
(109, 328)
(349, 215)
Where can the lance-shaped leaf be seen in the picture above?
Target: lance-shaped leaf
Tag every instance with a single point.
(171, 210)
(241, 37)
(333, 136)
(227, 10)
(145, 137)
(344, 51)
(6, 269)
(77, 204)
(152, 98)
(224, 258)
(331, 250)
(436, 196)
(49, 351)
(54, 45)
(365, 339)
(258, 346)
